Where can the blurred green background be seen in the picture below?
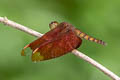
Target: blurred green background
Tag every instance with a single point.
(98, 18)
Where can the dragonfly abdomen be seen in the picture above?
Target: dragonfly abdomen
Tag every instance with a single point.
(87, 37)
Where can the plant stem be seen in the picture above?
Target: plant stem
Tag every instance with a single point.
(106, 71)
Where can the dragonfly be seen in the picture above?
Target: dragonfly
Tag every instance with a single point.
(60, 40)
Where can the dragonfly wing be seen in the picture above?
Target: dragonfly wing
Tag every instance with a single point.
(45, 38)
(61, 45)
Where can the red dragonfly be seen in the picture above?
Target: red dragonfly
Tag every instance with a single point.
(61, 39)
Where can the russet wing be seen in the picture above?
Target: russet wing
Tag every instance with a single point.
(60, 45)
(54, 43)
(47, 37)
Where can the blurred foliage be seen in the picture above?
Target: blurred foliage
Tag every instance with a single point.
(98, 18)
